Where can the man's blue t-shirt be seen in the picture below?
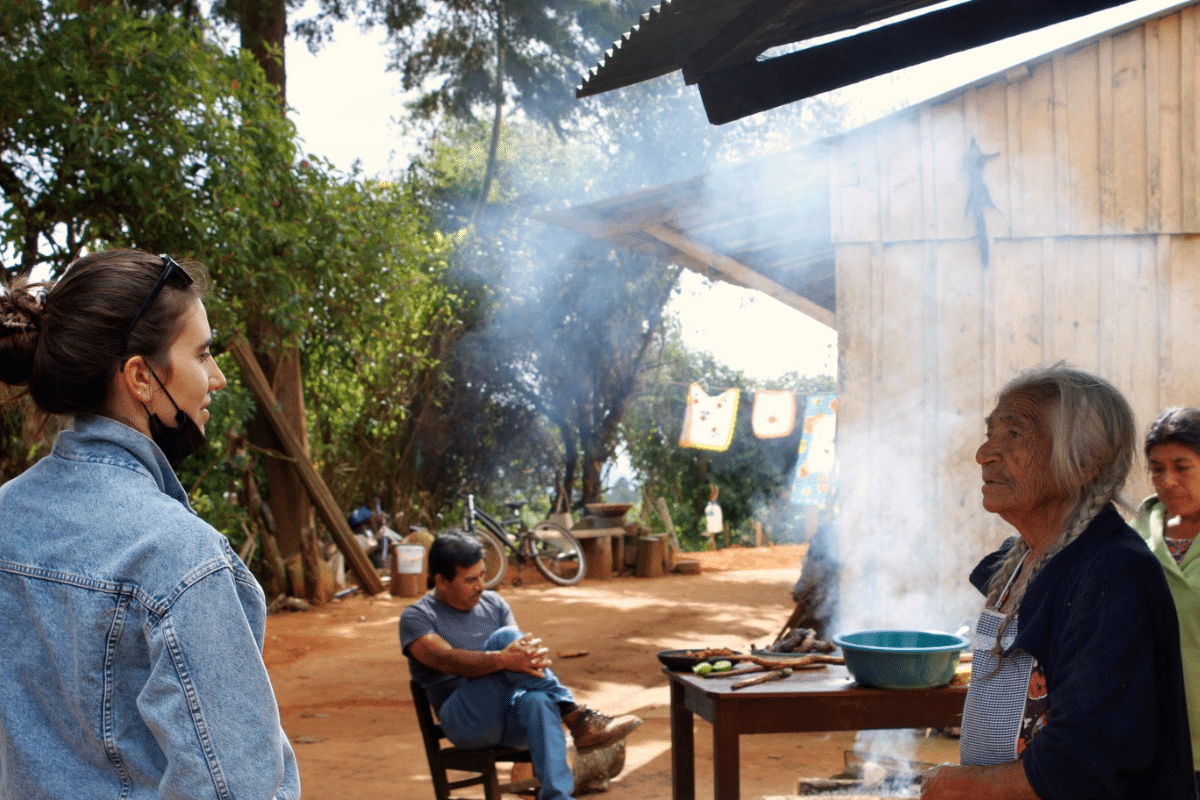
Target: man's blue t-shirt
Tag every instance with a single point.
(464, 630)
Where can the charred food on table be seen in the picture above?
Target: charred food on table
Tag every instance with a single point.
(801, 640)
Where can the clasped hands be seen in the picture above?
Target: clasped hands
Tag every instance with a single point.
(527, 655)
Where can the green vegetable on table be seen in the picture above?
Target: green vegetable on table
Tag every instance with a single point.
(703, 668)
(722, 666)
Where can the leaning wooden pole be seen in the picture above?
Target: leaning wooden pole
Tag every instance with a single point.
(326, 506)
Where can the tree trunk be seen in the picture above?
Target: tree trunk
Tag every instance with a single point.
(593, 490)
(263, 27)
(499, 103)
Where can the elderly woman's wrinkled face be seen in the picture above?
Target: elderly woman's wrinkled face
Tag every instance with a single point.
(1017, 480)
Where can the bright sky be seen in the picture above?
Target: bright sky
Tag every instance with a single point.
(345, 103)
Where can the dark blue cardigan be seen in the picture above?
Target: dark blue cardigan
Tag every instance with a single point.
(1100, 620)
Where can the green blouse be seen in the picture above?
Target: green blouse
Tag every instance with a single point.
(1184, 580)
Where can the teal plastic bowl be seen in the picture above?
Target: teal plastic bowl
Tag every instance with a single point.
(899, 659)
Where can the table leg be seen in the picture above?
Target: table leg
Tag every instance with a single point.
(726, 755)
(683, 754)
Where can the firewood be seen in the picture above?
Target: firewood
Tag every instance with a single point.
(773, 675)
(756, 668)
(778, 663)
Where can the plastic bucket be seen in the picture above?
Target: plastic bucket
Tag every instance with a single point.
(410, 558)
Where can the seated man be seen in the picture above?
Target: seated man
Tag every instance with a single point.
(488, 683)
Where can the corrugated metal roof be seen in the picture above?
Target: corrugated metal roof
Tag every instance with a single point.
(718, 43)
(670, 34)
(767, 219)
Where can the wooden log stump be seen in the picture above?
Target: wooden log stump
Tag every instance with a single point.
(593, 770)
(597, 552)
(651, 554)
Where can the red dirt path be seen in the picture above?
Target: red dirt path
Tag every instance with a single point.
(342, 683)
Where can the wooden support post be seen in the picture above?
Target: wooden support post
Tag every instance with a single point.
(326, 506)
(673, 546)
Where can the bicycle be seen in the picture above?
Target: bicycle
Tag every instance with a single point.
(552, 548)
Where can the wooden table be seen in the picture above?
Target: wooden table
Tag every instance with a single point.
(808, 700)
(599, 550)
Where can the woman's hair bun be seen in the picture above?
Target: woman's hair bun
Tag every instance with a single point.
(20, 322)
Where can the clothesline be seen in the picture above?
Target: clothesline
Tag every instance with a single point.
(709, 422)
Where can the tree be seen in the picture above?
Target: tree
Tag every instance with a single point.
(109, 127)
(573, 345)
(466, 55)
(384, 324)
(566, 323)
(119, 130)
(533, 45)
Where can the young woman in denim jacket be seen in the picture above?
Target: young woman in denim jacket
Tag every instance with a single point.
(131, 649)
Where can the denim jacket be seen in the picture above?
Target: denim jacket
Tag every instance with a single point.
(131, 644)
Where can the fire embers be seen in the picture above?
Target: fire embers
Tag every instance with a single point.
(868, 775)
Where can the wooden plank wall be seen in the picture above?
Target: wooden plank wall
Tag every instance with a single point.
(1094, 246)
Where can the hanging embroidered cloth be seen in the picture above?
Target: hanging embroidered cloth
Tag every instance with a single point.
(774, 414)
(813, 484)
(708, 421)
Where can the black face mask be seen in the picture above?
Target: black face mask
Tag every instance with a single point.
(181, 441)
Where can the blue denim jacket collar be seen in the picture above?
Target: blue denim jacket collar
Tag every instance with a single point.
(105, 440)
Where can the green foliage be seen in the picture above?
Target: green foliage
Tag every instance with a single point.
(119, 130)
(373, 360)
(144, 133)
(751, 475)
(24, 437)
(112, 127)
(450, 56)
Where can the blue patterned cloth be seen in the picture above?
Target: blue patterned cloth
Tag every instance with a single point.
(814, 481)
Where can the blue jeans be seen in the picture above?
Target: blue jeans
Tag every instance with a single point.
(515, 710)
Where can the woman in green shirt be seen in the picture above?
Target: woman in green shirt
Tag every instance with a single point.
(1169, 521)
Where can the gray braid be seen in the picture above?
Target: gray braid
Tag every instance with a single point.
(1095, 497)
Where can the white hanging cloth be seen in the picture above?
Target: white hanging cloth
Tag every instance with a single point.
(708, 422)
(774, 414)
(713, 520)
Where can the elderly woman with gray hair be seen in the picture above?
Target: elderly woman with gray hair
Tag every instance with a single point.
(1077, 687)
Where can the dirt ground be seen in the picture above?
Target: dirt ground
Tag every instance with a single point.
(342, 682)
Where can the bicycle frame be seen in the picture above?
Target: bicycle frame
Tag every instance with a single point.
(496, 527)
(553, 547)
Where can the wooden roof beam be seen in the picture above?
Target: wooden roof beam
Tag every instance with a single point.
(741, 274)
(737, 92)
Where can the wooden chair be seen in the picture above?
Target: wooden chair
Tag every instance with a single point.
(481, 761)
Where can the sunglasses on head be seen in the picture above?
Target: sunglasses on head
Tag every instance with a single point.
(170, 268)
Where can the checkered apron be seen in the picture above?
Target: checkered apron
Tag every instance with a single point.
(995, 704)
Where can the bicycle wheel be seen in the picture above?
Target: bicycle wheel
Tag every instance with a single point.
(495, 560)
(557, 554)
